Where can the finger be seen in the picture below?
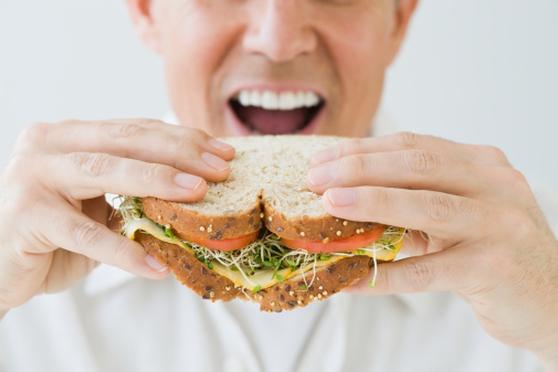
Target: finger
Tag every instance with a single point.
(443, 271)
(66, 228)
(415, 243)
(415, 169)
(83, 175)
(438, 214)
(187, 149)
(479, 154)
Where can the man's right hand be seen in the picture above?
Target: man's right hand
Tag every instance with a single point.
(53, 220)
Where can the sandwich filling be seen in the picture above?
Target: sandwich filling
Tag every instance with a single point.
(268, 259)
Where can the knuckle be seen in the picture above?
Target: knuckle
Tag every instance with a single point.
(13, 203)
(495, 153)
(86, 233)
(421, 162)
(198, 133)
(516, 177)
(123, 130)
(121, 251)
(354, 166)
(419, 275)
(32, 136)
(517, 221)
(407, 139)
(17, 166)
(439, 207)
(353, 145)
(382, 199)
(91, 164)
(152, 173)
(184, 143)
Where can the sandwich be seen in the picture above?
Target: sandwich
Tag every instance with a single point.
(261, 234)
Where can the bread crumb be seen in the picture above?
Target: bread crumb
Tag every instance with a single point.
(270, 218)
(261, 215)
(209, 228)
(202, 228)
(338, 233)
(291, 293)
(324, 293)
(319, 296)
(302, 233)
(299, 302)
(211, 294)
(326, 240)
(345, 223)
(320, 288)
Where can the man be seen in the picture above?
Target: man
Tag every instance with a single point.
(273, 66)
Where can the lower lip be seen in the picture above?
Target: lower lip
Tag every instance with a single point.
(239, 129)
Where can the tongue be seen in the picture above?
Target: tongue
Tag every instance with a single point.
(273, 121)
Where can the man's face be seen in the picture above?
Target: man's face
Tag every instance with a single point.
(237, 67)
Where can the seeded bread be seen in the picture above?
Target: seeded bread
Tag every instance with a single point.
(267, 185)
(287, 295)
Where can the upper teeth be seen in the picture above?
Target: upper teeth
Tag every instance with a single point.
(278, 101)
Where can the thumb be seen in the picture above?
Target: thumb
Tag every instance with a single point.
(441, 271)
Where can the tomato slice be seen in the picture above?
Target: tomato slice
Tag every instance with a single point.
(341, 245)
(226, 244)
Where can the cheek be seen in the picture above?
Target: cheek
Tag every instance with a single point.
(359, 45)
(192, 51)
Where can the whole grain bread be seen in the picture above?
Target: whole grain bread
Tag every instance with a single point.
(267, 186)
(287, 295)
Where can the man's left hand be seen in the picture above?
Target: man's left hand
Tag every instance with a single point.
(486, 238)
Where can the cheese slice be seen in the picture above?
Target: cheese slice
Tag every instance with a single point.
(262, 279)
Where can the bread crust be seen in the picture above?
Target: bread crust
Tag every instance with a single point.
(288, 295)
(188, 223)
(330, 279)
(325, 228)
(188, 269)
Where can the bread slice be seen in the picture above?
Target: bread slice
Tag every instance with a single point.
(286, 295)
(266, 187)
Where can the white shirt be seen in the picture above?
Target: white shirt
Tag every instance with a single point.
(112, 321)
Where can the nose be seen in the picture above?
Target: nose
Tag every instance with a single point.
(280, 31)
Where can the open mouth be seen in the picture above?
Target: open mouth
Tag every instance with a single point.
(268, 112)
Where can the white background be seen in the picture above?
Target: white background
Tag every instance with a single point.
(476, 71)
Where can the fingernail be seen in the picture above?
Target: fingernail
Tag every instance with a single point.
(188, 181)
(341, 197)
(214, 161)
(154, 264)
(220, 145)
(321, 175)
(325, 156)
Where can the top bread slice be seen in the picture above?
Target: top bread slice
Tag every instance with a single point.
(266, 186)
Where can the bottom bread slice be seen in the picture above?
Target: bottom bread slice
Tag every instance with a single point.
(287, 295)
